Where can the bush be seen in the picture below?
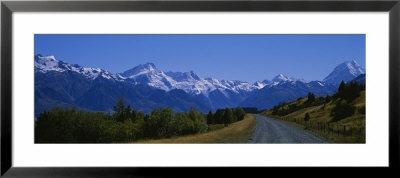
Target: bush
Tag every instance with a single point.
(307, 117)
(341, 111)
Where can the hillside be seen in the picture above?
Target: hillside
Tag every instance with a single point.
(340, 118)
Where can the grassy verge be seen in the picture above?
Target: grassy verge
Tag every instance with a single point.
(347, 130)
(238, 132)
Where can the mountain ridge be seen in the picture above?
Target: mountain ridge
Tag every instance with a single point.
(209, 93)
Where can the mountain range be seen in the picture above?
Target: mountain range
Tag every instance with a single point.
(145, 88)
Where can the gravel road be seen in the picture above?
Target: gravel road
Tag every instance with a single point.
(272, 131)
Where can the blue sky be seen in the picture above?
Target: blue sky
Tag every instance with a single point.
(232, 57)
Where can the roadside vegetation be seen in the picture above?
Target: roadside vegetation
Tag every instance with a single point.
(339, 118)
(238, 132)
(61, 125)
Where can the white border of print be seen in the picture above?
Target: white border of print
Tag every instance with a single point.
(373, 153)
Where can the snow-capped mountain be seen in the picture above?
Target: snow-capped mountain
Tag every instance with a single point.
(345, 71)
(190, 82)
(60, 84)
(285, 89)
(145, 87)
(149, 74)
(282, 78)
(45, 64)
(262, 84)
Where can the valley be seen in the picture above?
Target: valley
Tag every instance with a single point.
(147, 105)
(198, 88)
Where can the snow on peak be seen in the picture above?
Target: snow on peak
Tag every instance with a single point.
(354, 68)
(260, 85)
(149, 66)
(190, 82)
(48, 63)
(45, 64)
(345, 71)
(148, 74)
(282, 78)
(139, 70)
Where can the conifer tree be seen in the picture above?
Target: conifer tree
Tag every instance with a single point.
(311, 98)
(218, 117)
(210, 118)
(228, 116)
(119, 110)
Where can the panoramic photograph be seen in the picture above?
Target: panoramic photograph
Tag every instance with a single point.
(199, 88)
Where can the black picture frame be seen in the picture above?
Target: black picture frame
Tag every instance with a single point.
(8, 7)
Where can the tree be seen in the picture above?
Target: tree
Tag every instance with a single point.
(119, 109)
(167, 119)
(210, 118)
(200, 124)
(328, 99)
(134, 115)
(218, 117)
(193, 113)
(228, 116)
(275, 110)
(153, 123)
(183, 124)
(311, 98)
(342, 87)
(349, 91)
(119, 106)
(56, 126)
(239, 113)
(127, 113)
(341, 111)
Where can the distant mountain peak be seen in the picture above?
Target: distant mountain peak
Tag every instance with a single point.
(215, 92)
(45, 64)
(139, 70)
(147, 66)
(262, 84)
(345, 71)
(150, 65)
(45, 58)
(282, 78)
(193, 75)
(354, 62)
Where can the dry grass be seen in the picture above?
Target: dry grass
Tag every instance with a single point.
(213, 127)
(322, 115)
(238, 132)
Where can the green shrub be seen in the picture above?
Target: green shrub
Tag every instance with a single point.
(307, 117)
(341, 111)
